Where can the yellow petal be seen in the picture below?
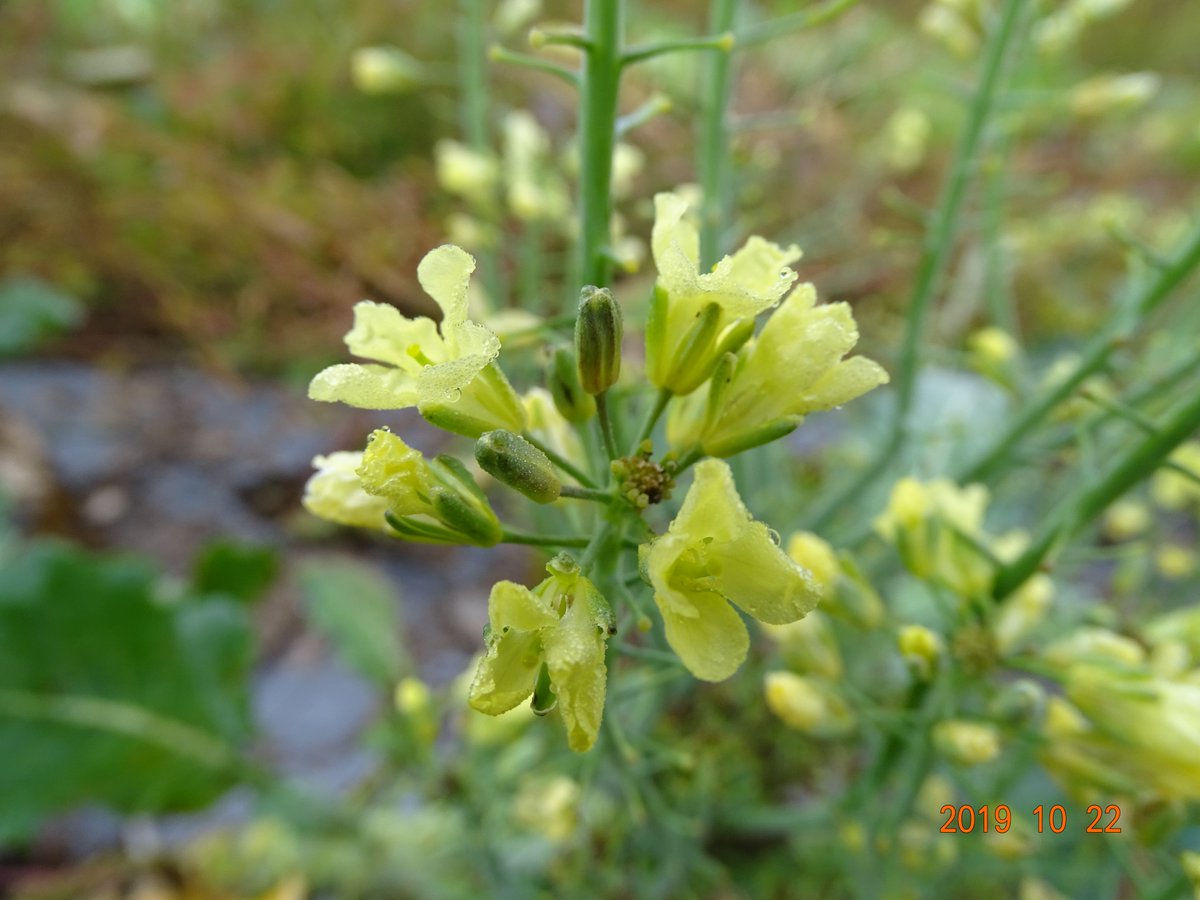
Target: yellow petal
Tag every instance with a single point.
(711, 639)
(395, 471)
(675, 243)
(752, 279)
(846, 381)
(507, 672)
(381, 333)
(335, 493)
(365, 386)
(445, 274)
(747, 565)
(513, 605)
(574, 654)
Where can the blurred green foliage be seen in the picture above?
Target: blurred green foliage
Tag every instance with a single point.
(111, 692)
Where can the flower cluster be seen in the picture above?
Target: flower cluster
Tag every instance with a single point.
(724, 391)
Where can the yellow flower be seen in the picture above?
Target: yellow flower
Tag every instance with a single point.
(921, 647)
(966, 743)
(937, 528)
(335, 493)
(1125, 520)
(845, 593)
(808, 703)
(466, 173)
(434, 502)
(563, 624)
(446, 371)
(809, 645)
(715, 554)
(548, 805)
(793, 368)
(1127, 729)
(1019, 615)
(535, 191)
(696, 318)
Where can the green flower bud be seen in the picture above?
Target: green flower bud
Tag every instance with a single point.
(460, 504)
(515, 462)
(598, 332)
(562, 376)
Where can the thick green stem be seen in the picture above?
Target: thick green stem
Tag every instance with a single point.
(1138, 464)
(599, 86)
(713, 163)
(935, 256)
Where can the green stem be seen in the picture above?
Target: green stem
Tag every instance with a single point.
(582, 493)
(1095, 358)
(766, 31)
(606, 430)
(498, 53)
(935, 255)
(599, 85)
(688, 459)
(716, 174)
(512, 536)
(1138, 464)
(655, 106)
(561, 461)
(473, 110)
(653, 414)
(723, 42)
(472, 59)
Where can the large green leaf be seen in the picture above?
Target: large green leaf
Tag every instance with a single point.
(109, 695)
(355, 607)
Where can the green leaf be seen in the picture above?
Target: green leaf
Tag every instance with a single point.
(108, 695)
(355, 607)
(32, 311)
(240, 571)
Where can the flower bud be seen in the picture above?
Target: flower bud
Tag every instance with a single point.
(598, 332)
(562, 376)
(384, 70)
(966, 743)
(515, 462)
(808, 704)
(1020, 702)
(921, 649)
(432, 501)
(461, 505)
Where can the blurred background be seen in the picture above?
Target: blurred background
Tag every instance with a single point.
(194, 193)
